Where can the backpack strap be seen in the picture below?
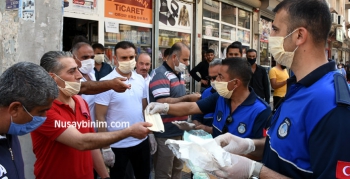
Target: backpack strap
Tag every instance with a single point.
(83, 107)
(342, 93)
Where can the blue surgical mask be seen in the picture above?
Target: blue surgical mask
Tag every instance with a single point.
(22, 129)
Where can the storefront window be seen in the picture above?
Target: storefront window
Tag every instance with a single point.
(210, 29)
(228, 14)
(140, 36)
(228, 32)
(243, 19)
(211, 9)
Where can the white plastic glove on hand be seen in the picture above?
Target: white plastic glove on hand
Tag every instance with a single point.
(153, 143)
(241, 168)
(234, 144)
(154, 107)
(108, 157)
(183, 125)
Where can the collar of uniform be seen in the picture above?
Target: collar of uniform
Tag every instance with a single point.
(212, 90)
(314, 76)
(169, 69)
(250, 100)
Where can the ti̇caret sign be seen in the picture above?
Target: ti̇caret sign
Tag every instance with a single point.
(131, 10)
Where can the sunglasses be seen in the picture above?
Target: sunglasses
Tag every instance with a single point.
(229, 120)
(210, 78)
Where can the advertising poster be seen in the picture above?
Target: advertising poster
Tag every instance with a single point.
(88, 7)
(266, 29)
(174, 14)
(131, 10)
(26, 10)
(12, 4)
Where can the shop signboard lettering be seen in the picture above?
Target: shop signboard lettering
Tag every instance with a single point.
(132, 10)
(88, 7)
(12, 4)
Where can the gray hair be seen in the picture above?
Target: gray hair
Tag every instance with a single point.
(50, 61)
(27, 83)
(216, 61)
(77, 46)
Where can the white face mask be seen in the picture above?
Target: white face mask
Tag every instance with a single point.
(213, 85)
(181, 68)
(127, 66)
(99, 58)
(87, 66)
(221, 88)
(276, 49)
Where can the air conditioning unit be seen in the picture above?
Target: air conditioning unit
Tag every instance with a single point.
(334, 17)
(340, 20)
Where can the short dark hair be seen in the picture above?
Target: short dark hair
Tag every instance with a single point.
(27, 83)
(124, 45)
(210, 51)
(77, 46)
(238, 68)
(235, 44)
(50, 61)
(98, 46)
(166, 52)
(314, 15)
(251, 50)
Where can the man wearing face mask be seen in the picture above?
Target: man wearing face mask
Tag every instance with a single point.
(126, 107)
(167, 86)
(101, 68)
(306, 134)
(26, 93)
(202, 69)
(259, 81)
(66, 140)
(278, 78)
(237, 109)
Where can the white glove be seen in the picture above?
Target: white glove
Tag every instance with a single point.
(183, 125)
(234, 144)
(108, 157)
(155, 107)
(241, 167)
(153, 143)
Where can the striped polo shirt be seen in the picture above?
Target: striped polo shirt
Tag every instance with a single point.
(166, 83)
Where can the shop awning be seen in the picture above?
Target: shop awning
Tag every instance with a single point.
(253, 3)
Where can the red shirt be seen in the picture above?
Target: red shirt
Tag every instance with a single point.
(57, 160)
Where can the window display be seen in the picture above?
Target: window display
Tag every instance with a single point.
(228, 14)
(141, 37)
(228, 32)
(211, 9)
(210, 29)
(243, 19)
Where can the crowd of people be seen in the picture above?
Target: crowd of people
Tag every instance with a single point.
(304, 134)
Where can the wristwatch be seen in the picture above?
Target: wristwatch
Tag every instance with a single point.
(256, 170)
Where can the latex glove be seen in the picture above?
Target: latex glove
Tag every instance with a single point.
(153, 143)
(241, 167)
(108, 157)
(234, 144)
(183, 125)
(155, 107)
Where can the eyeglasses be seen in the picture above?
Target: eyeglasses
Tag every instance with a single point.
(228, 121)
(210, 78)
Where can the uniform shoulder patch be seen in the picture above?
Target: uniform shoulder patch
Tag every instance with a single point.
(283, 129)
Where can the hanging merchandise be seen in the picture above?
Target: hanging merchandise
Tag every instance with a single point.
(184, 19)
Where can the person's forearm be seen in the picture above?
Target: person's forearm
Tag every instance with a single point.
(196, 122)
(184, 109)
(267, 173)
(89, 141)
(94, 87)
(279, 84)
(174, 100)
(99, 164)
(259, 148)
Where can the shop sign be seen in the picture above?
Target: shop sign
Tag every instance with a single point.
(88, 7)
(174, 14)
(339, 35)
(112, 26)
(12, 4)
(131, 10)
